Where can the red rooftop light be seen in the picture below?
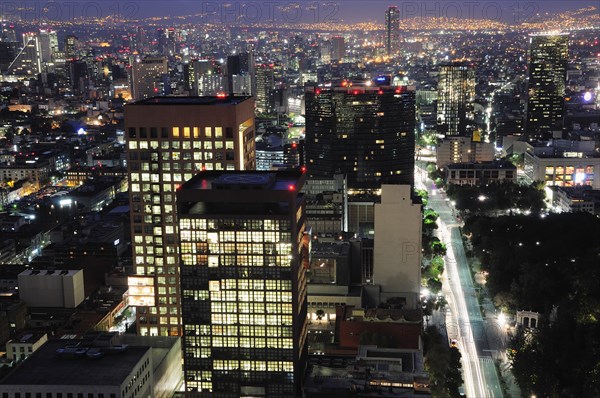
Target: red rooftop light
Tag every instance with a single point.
(221, 95)
(291, 187)
(303, 169)
(294, 145)
(318, 91)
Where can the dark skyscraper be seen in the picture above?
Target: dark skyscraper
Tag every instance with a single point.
(366, 132)
(244, 255)
(338, 48)
(392, 29)
(548, 58)
(456, 93)
(264, 85)
(241, 77)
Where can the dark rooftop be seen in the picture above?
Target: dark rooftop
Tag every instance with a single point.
(45, 367)
(208, 100)
(285, 180)
(499, 164)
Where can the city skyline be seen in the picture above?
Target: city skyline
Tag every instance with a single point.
(299, 199)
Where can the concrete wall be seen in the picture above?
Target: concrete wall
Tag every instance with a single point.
(52, 290)
(397, 264)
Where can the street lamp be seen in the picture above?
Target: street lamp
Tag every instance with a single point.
(482, 198)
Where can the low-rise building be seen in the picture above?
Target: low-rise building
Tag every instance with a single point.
(567, 170)
(24, 345)
(480, 173)
(463, 150)
(573, 199)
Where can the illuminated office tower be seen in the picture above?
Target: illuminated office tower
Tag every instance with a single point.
(28, 60)
(392, 30)
(365, 132)
(170, 139)
(147, 77)
(456, 93)
(48, 44)
(71, 46)
(208, 79)
(264, 85)
(548, 58)
(244, 254)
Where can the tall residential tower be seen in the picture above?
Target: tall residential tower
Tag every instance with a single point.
(170, 139)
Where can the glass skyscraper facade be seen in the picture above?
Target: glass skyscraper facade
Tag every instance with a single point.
(456, 94)
(548, 59)
(244, 254)
(366, 132)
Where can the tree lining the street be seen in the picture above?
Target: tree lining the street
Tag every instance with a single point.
(494, 197)
(550, 265)
(442, 362)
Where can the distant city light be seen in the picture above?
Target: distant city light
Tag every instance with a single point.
(587, 97)
(81, 131)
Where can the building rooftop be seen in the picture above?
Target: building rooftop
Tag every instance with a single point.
(207, 100)
(27, 337)
(482, 166)
(45, 367)
(52, 272)
(285, 180)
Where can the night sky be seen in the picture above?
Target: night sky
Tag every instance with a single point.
(326, 10)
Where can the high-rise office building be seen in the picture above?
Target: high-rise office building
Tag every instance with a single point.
(167, 45)
(241, 77)
(392, 29)
(147, 77)
(208, 79)
(28, 61)
(244, 254)
(48, 44)
(338, 48)
(71, 43)
(548, 58)
(456, 93)
(365, 132)
(170, 139)
(264, 85)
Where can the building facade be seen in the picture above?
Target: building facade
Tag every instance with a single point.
(244, 250)
(563, 171)
(366, 132)
(146, 77)
(480, 173)
(392, 30)
(548, 59)
(264, 85)
(463, 150)
(456, 93)
(170, 139)
(397, 263)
